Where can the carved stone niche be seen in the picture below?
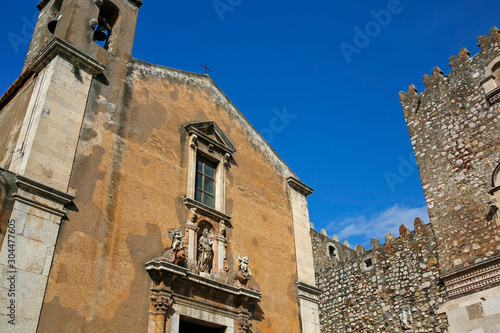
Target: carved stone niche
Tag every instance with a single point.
(179, 295)
(200, 218)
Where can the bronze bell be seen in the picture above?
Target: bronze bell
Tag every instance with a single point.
(52, 25)
(100, 34)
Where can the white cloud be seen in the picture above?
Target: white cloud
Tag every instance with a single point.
(361, 229)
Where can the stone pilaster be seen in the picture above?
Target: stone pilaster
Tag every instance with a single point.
(27, 251)
(306, 290)
(43, 160)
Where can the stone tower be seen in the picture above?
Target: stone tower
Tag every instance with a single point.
(45, 108)
(455, 132)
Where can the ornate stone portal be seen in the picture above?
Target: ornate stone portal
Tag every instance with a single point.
(190, 281)
(178, 294)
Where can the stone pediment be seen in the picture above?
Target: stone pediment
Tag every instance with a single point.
(211, 132)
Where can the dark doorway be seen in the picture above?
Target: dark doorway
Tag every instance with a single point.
(190, 327)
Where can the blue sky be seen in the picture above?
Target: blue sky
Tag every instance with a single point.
(345, 134)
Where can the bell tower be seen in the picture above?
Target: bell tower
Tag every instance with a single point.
(99, 28)
(78, 47)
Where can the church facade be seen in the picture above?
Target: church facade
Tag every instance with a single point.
(138, 198)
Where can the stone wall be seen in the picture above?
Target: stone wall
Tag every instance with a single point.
(390, 288)
(321, 252)
(455, 133)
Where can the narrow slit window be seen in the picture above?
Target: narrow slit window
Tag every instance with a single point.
(368, 263)
(205, 181)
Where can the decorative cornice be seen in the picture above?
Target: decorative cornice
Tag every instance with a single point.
(160, 269)
(205, 210)
(226, 146)
(32, 186)
(307, 292)
(467, 280)
(56, 47)
(299, 186)
(41, 196)
(308, 288)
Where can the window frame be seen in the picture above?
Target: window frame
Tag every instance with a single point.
(208, 141)
(202, 191)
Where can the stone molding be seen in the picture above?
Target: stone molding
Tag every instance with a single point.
(202, 209)
(158, 269)
(190, 302)
(56, 47)
(34, 186)
(41, 196)
(226, 147)
(473, 279)
(299, 186)
(308, 292)
(493, 96)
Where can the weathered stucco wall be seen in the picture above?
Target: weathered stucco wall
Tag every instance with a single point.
(129, 179)
(11, 119)
(403, 277)
(455, 134)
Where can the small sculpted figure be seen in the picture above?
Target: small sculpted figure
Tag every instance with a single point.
(176, 239)
(244, 264)
(222, 228)
(205, 253)
(177, 254)
(243, 276)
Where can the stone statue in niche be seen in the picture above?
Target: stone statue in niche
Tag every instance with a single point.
(405, 317)
(205, 252)
(177, 254)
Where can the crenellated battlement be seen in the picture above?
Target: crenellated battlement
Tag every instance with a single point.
(330, 252)
(474, 70)
(372, 290)
(454, 125)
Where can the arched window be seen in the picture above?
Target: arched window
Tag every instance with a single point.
(491, 82)
(54, 15)
(495, 70)
(331, 250)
